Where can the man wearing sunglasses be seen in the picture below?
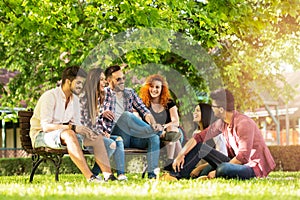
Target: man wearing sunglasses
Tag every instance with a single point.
(118, 117)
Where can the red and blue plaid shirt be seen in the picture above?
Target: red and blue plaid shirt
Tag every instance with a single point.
(131, 101)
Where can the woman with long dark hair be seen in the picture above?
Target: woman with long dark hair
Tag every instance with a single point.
(91, 101)
(203, 116)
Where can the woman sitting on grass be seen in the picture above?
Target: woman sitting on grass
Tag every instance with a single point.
(203, 116)
(248, 154)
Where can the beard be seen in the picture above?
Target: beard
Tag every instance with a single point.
(118, 87)
(76, 91)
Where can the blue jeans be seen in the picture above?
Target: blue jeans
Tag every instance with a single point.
(218, 162)
(228, 170)
(134, 126)
(138, 134)
(118, 153)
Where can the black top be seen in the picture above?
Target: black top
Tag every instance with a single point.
(163, 117)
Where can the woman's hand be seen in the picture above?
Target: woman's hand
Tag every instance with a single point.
(106, 134)
(85, 131)
(195, 173)
(108, 115)
(212, 174)
(157, 127)
(178, 163)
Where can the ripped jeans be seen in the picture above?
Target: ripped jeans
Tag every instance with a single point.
(138, 134)
(117, 152)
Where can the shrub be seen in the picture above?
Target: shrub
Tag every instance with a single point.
(23, 166)
(286, 157)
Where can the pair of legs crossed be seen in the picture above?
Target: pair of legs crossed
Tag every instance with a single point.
(138, 134)
(218, 162)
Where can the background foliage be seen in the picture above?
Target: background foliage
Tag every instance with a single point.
(250, 42)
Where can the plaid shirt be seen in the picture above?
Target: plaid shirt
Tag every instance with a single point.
(85, 120)
(131, 102)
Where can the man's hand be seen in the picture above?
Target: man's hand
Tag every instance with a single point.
(178, 163)
(108, 115)
(157, 127)
(85, 131)
(106, 134)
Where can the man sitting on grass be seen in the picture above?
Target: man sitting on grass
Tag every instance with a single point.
(56, 124)
(248, 154)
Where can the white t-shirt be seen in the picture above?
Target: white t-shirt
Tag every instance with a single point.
(221, 144)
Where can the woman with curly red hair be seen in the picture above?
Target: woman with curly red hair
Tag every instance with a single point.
(156, 96)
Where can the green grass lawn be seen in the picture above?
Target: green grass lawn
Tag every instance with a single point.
(279, 185)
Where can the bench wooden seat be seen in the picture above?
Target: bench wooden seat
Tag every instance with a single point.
(44, 154)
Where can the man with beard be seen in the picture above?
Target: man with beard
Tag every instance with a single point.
(248, 155)
(56, 124)
(118, 106)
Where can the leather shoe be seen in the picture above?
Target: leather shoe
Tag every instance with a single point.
(167, 177)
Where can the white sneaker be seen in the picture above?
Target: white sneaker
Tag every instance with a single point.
(110, 178)
(95, 179)
(122, 177)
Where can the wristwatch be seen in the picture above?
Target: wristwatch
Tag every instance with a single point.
(73, 127)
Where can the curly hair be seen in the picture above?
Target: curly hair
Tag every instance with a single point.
(145, 94)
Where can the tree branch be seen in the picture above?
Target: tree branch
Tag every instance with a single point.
(7, 4)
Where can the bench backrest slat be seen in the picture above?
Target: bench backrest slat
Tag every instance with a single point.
(24, 121)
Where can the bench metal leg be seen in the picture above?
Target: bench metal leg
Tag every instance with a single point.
(56, 159)
(36, 161)
(144, 171)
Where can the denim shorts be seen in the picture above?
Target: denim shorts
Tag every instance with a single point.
(52, 140)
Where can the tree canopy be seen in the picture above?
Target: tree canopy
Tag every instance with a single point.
(239, 44)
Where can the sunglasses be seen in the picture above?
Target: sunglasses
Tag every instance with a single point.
(120, 79)
(215, 106)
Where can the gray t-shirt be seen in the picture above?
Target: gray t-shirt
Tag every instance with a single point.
(119, 108)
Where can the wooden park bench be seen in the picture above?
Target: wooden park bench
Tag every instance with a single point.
(44, 154)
